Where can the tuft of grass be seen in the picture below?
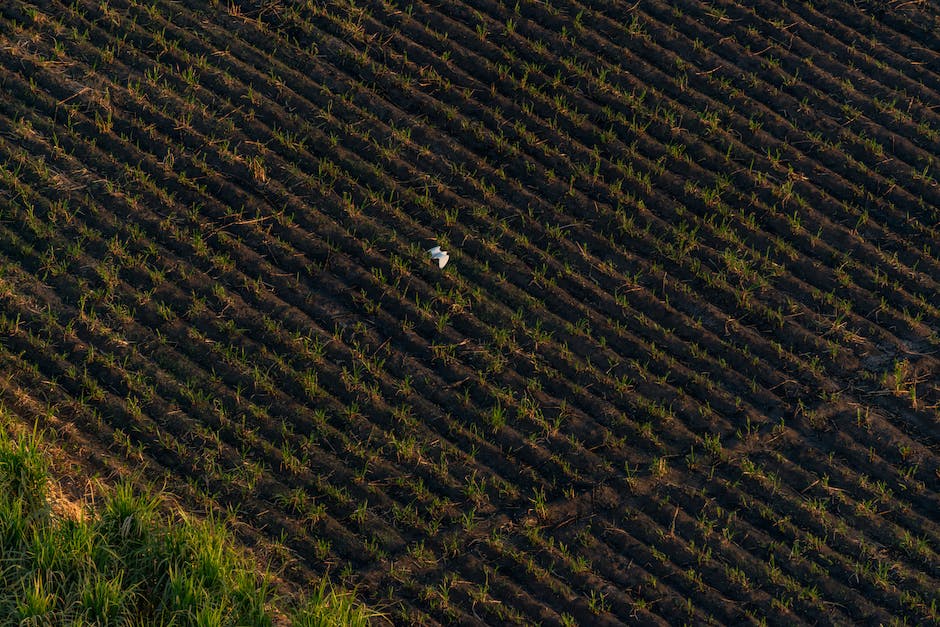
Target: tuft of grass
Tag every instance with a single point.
(327, 607)
(23, 472)
(131, 562)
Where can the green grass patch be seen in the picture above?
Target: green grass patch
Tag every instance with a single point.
(132, 562)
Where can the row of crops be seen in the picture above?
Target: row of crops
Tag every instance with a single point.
(681, 366)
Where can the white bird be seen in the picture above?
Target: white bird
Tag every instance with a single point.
(440, 255)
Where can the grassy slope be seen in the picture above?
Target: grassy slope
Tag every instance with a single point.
(128, 561)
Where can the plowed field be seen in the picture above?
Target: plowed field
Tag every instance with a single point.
(682, 366)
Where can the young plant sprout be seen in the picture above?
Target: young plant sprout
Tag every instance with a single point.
(440, 255)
